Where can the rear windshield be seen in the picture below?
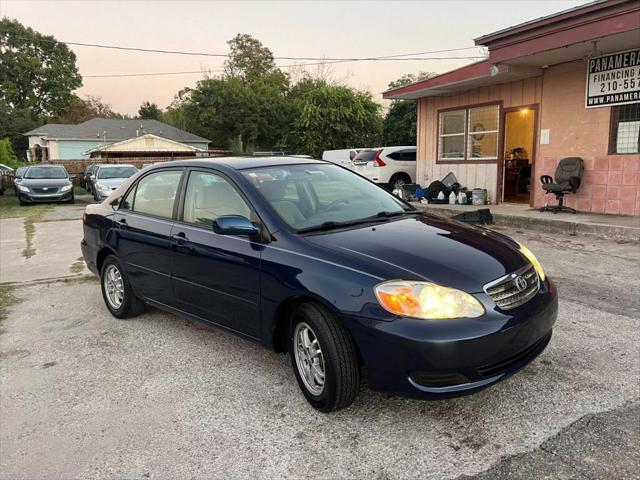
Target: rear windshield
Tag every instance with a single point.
(365, 156)
(116, 172)
(46, 172)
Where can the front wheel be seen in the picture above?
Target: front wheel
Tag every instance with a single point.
(324, 358)
(116, 290)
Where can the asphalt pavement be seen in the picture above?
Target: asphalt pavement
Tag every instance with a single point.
(83, 395)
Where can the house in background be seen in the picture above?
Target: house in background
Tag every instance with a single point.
(146, 146)
(72, 142)
(566, 85)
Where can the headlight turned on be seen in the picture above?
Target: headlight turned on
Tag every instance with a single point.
(426, 300)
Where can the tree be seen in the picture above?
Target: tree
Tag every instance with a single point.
(80, 110)
(241, 109)
(37, 73)
(37, 77)
(248, 59)
(149, 111)
(400, 122)
(334, 116)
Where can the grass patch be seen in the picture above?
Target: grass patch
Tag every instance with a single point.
(77, 266)
(11, 208)
(7, 299)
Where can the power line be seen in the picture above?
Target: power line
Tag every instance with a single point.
(227, 55)
(204, 71)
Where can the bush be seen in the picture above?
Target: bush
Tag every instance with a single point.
(7, 155)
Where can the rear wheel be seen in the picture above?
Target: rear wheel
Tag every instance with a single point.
(116, 290)
(398, 180)
(324, 358)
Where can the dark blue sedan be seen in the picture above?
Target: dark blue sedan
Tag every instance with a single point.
(307, 257)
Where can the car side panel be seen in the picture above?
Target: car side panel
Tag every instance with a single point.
(287, 274)
(143, 244)
(217, 277)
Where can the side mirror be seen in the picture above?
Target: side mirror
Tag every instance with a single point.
(234, 225)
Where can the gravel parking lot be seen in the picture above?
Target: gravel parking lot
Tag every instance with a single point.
(84, 395)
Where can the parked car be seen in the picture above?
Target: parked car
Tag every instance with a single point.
(307, 257)
(108, 177)
(88, 172)
(390, 166)
(342, 157)
(17, 178)
(45, 183)
(5, 168)
(84, 175)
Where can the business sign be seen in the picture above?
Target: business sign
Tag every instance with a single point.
(613, 79)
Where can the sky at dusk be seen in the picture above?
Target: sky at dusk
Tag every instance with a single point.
(296, 28)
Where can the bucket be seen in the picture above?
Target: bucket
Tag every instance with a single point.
(478, 196)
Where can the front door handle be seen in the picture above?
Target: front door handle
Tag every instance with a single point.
(122, 224)
(180, 238)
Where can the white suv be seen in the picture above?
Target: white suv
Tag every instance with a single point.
(392, 166)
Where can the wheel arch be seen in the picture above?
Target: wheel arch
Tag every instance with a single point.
(102, 254)
(282, 316)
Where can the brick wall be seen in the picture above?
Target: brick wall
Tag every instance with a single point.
(611, 183)
(77, 166)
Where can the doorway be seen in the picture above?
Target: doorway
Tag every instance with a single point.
(518, 147)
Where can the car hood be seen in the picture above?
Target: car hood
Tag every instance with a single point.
(110, 182)
(45, 182)
(426, 248)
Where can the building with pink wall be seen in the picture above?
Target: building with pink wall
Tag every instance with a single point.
(567, 85)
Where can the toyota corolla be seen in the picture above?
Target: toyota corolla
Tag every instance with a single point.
(309, 258)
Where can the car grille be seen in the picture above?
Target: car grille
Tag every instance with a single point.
(44, 190)
(514, 289)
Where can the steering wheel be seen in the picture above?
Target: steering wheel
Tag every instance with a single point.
(332, 206)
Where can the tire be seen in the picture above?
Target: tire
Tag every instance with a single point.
(95, 197)
(21, 201)
(398, 180)
(129, 306)
(337, 356)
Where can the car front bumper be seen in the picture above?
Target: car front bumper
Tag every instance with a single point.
(45, 198)
(448, 358)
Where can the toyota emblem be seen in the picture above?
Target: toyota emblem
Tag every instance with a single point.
(520, 282)
(45, 188)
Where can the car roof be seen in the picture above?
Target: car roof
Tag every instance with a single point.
(100, 165)
(240, 163)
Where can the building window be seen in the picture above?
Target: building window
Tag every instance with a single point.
(469, 133)
(483, 132)
(452, 132)
(625, 129)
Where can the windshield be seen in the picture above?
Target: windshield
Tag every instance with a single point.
(46, 172)
(310, 196)
(116, 172)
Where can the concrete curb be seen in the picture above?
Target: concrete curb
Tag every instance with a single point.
(548, 225)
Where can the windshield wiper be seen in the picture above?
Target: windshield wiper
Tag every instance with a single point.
(332, 225)
(386, 214)
(378, 217)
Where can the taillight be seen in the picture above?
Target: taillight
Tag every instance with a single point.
(377, 162)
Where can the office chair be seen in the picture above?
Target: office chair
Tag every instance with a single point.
(567, 180)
